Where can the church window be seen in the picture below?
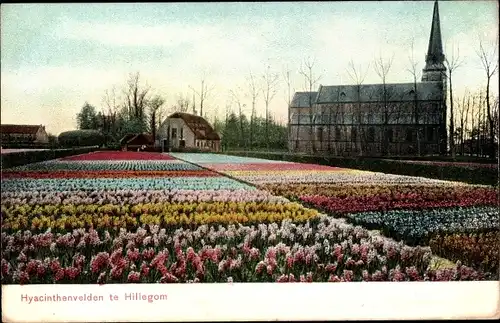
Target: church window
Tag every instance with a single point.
(174, 133)
(348, 118)
(430, 133)
(390, 134)
(409, 135)
(319, 134)
(371, 134)
(337, 133)
(182, 132)
(354, 134)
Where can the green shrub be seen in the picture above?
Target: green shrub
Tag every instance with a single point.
(81, 138)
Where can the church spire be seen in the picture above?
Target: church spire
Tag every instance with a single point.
(435, 57)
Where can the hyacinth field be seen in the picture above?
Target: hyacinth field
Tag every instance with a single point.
(118, 217)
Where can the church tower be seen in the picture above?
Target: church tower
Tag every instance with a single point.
(435, 71)
(434, 61)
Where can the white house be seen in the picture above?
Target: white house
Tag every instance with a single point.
(184, 130)
(24, 134)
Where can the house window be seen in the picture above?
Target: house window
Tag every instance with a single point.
(354, 134)
(371, 134)
(337, 133)
(174, 133)
(182, 132)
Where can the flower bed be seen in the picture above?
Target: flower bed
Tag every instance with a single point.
(411, 209)
(128, 219)
(120, 155)
(352, 199)
(445, 164)
(478, 250)
(107, 174)
(138, 183)
(101, 165)
(133, 197)
(324, 251)
(417, 227)
(223, 159)
(269, 167)
(69, 217)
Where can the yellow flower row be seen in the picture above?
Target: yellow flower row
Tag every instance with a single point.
(152, 208)
(106, 221)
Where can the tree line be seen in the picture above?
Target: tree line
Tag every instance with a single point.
(135, 109)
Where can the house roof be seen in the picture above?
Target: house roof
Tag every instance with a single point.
(301, 99)
(20, 129)
(198, 125)
(375, 92)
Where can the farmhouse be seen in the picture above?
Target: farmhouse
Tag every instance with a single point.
(13, 135)
(376, 119)
(183, 131)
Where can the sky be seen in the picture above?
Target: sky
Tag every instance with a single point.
(56, 57)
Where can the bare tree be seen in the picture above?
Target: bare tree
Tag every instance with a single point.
(490, 66)
(358, 77)
(412, 69)
(203, 93)
(463, 110)
(310, 82)
(182, 104)
(288, 99)
(236, 98)
(253, 93)
(382, 68)
(269, 88)
(154, 105)
(111, 101)
(452, 64)
(136, 97)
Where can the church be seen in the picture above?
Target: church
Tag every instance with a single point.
(401, 119)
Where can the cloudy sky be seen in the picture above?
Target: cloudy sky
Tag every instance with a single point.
(54, 57)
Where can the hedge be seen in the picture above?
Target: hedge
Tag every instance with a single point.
(483, 175)
(81, 138)
(28, 157)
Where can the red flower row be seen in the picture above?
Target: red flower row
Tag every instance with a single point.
(120, 155)
(109, 174)
(387, 202)
(270, 167)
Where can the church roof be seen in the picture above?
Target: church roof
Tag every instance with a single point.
(301, 99)
(375, 92)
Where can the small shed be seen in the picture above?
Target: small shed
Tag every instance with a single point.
(141, 141)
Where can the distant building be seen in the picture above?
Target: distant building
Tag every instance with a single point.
(184, 130)
(376, 119)
(141, 141)
(13, 134)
